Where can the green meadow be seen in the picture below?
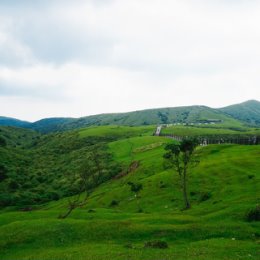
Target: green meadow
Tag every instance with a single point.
(207, 130)
(223, 189)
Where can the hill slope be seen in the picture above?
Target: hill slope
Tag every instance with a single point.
(233, 116)
(248, 112)
(190, 114)
(34, 168)
(115, 224)
(8, 121)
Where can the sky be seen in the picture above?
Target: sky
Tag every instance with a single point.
(73, 58)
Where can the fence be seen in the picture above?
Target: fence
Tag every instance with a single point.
(221, 139)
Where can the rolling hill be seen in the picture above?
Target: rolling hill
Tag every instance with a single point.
(247, 112)
(8, 121)
(114, 223)
(230, 117)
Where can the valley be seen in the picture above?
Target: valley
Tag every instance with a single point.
(38, 180)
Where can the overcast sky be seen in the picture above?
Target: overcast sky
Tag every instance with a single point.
(82, 57)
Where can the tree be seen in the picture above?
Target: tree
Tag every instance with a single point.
(85, 181)
(136, 188)
(3, 172)
(181, 157)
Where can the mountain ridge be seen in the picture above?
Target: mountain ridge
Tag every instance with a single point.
(247, 113)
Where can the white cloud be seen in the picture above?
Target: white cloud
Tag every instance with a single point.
(87, 57)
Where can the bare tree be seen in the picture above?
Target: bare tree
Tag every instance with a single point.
(85, 181)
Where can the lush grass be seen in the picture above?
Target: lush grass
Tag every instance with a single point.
(116, 131)
(214, 228)
(215, 130)
(36, 167)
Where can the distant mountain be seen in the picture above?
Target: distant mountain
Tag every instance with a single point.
(50, 124)
(247, 112)
(232, 116)
(8, 121)
(189, 114)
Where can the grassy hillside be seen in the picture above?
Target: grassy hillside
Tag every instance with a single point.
(209, 131)
(230, 117)
(151, 117)
(48, 125)
(8, 121)
(247, 112)
(38, 168)
(223, 188)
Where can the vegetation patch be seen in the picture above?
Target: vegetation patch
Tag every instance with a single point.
(114, 203)
(253, 214)
(204, 196)
(156, 244)
(147, 147)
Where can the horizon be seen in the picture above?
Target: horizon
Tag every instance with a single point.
(104, 56)
(53, 117)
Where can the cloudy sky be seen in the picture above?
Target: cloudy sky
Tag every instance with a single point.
(83, 57)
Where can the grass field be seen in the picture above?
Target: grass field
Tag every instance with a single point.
(208, 130)
(214, 228)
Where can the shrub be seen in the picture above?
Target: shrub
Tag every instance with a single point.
(162, 185)
(2, 142)
(193, 193)
(253, 214)
(129, 246)
(13, 185)
(140, 210)
(156, 244)
(204, 196)
(6, 199)
(114, 203)
(3, 173)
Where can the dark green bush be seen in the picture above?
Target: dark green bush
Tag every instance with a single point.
(114, 203)
(3, 172)
(156, 244)
(13, 185)
(193, 193)
(253, 214)
(2, 141)
(204, 196)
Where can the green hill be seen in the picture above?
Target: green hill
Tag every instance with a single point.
(230, 117)
(48, 125)
(37, 168)
(247, 112)
(114, 224)
(8, 121)
(192, 114)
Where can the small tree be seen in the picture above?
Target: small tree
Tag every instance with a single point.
(84, 182)
(136, 188)
(182, 157)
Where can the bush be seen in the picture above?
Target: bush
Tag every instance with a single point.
(2, 142)
(13, 185)
(3, 173)
(193, 193)
(6, 199)
(204, 196)
(253, 214)
(156, 244)
(114, 203)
